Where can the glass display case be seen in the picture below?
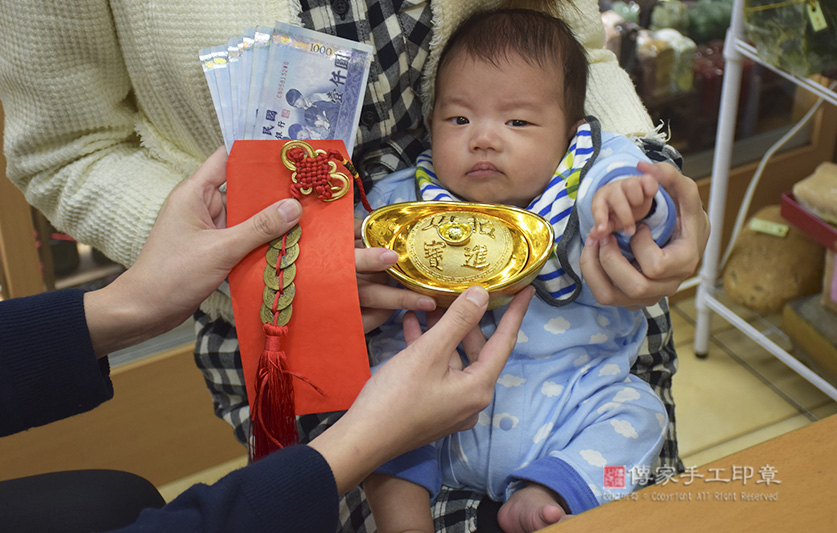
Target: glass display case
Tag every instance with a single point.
(673, 51)
(739, 53)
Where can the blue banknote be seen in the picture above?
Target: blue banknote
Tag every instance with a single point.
(288, 82)
(258, 68)
(313, 87)
(215, 63)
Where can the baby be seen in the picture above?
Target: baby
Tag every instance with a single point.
(507, 127)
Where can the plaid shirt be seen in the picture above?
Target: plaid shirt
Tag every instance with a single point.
(391, 133)
(390, 137)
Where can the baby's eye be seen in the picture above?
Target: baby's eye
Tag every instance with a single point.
(517, 123)
(459, 121)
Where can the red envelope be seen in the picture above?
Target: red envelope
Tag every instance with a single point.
(325, 343)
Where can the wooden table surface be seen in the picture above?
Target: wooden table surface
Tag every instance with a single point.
(799, 495)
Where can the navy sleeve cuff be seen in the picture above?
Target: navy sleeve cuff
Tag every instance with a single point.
(48, 370)
(559, 476)
(419, 466)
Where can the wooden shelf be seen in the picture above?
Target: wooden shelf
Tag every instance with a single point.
(88, 271)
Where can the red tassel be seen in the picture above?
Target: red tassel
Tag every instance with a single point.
(272, 419)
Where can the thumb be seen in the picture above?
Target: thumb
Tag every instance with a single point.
(458, 320)
(268, 224)
(494, 354)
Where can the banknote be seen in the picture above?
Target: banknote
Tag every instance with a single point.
(258, 69)
(234, 46)
(215, 63)
(241, 79)
(313, 88)
(287, 82)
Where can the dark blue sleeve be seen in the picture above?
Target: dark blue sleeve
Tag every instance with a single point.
(48, 370)
(420, 466)
(554, 473)
(292, 490)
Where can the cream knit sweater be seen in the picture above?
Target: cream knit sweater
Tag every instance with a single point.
(107, 108)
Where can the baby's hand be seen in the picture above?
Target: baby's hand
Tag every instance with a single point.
(618, 205)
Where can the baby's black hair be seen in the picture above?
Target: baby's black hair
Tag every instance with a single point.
(538, 38)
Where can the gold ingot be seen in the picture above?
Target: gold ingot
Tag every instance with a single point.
(455, 233)
(446, 247)
(291, 238)
(291, 253)
(272, 281)
(282, 320)
(285, 299)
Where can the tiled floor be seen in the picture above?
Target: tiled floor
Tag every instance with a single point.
(738, 396)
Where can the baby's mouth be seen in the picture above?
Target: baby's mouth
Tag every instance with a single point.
(483, 168)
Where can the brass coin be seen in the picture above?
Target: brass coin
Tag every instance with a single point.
(284, 316)
(291, 239)
(269, 295)
(272, 281)
(291, 253)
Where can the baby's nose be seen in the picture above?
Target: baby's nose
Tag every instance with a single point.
(485, 138)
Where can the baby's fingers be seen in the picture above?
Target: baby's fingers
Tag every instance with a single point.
(601, 216)
(621, 212)
(649, 184)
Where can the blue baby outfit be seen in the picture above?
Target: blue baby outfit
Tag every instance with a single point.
(566, 404)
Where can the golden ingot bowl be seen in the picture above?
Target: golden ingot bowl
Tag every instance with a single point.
(445, 247)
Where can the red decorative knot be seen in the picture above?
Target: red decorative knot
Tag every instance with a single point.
(313, 173)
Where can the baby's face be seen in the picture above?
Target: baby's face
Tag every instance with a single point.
(498, 133)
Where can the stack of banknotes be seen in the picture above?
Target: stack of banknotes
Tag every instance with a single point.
(287, 82)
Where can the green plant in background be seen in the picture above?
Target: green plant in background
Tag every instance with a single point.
(709, 20)
(671, 14)
(785, 35)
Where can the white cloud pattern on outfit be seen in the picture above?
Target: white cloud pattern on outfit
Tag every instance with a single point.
(543, 432)
(593, 457)
(616, 164)
(609, 370)
(608, 406)
(521, 466)
(598, 338)
(521, 337)
(557, 325)
(661, 418)
(499, 418)
(483, 419)
(581, 359)
(624, 428)
(507, 380)
(602, 320)
(550, 389)
(627, 394)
